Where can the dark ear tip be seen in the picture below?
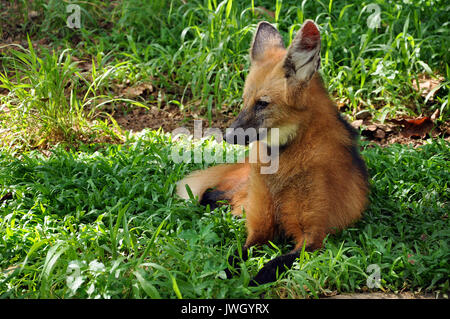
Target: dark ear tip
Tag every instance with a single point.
(266, 36)
(265, 25)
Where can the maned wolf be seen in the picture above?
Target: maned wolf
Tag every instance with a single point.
(321, 182)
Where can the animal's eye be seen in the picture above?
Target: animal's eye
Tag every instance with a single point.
(260, 105)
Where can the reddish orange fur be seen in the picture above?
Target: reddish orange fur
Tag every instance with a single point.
(317, 188)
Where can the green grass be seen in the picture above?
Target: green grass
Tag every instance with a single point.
(95, 219)
(104, 222)
(50, 99)
(195, 53)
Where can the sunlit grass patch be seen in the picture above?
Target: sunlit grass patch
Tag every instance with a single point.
(105, 222)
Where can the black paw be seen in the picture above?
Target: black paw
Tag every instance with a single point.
(228, 273)
(273, 269)
(213, 198)
(265, 275)
(234, 260)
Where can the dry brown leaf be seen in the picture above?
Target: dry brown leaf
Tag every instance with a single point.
(380, 134)
(415, 127)
(357, 123)
(435, 115)
(363, 115)
(427, 84)
(132, 92)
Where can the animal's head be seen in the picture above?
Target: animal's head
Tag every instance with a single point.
(276, 83)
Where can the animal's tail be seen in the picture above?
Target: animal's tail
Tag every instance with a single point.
(225, 178)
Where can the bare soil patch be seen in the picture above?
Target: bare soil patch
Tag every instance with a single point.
(392, 131)
(167, 118)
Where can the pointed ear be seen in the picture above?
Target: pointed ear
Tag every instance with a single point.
(303, 57)
(266, 36)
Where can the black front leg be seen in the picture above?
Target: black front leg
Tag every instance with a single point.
(276, 266)
(213, 198)
(234, 259)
